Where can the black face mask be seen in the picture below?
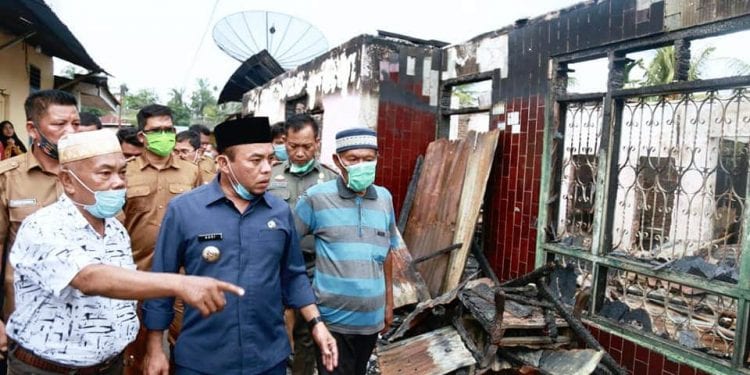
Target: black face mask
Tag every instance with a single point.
(49, 148)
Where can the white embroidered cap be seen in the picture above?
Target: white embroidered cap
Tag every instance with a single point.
(84, 145)
(355, 138)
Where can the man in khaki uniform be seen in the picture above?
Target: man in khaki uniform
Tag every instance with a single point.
(289, 180)
(189, 148)
(29, 181)
(154, 178)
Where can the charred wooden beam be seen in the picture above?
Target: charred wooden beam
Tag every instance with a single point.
(411, 192)
(682, 59)
(437, 253)
(578, 328)
(549, 321)
(497, 331)
(529, 301)
(532, 276)
(484, 264)
(528, 289)
(458, 324)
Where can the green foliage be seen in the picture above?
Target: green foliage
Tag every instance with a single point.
(140, 99)
(180, 110)
(93, 110)
(662, 69)
(201, 108)
(203, 100)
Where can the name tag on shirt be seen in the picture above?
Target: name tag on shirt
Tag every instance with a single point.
(210, 237)
(22, 202)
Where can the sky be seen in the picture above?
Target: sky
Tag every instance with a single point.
(164, 44)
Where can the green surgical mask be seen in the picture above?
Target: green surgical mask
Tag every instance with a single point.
(300, 169)
(161, 143)
(361, 176)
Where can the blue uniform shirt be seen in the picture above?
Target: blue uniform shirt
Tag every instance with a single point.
(259, 251)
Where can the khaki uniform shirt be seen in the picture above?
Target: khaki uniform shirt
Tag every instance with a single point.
(149, 192)
(289, 187)
(207, 167)
(24, 188)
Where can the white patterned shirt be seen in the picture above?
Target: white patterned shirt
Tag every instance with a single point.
(52, 319)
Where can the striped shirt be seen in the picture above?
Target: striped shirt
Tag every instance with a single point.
(353, 235)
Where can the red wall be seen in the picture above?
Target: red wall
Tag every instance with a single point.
(403, 135)
(512, 210)
(513, 191)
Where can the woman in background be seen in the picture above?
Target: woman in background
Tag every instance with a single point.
(12, 145)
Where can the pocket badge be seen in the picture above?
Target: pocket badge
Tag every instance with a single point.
(211, 254)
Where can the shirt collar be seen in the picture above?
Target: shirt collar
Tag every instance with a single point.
(346, 193)
(143, 162)
(31, 161)
(215, 194)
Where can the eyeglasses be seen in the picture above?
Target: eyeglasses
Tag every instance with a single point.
(160, 130)
(183, 152)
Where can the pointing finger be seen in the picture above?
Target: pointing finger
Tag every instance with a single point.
(228, 287)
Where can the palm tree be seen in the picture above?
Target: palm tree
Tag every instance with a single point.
(662, 69)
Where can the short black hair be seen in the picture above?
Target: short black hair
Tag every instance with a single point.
(152, 110)
(200, 129)
(192, 137)
(37, 103)
(278, 129)
(129, 134)
(299, 121)
(88, 119)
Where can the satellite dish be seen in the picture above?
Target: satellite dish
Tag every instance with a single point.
(289, 40)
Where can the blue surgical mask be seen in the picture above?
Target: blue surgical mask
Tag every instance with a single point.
(280, 152)
(107, 202)
(301, 169)
(241, 191)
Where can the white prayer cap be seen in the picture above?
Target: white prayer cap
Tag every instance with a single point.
(84, 145)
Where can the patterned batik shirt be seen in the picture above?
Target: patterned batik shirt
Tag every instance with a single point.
(52, 319)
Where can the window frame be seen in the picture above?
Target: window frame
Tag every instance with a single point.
(613, 102)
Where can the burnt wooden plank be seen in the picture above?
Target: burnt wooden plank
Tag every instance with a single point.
(425, 309)
(433, 353)
(481, 150)
(534, 341)
(480, 301)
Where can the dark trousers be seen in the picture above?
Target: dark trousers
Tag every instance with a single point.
(304, 347)
(354, 353)
(279, 369)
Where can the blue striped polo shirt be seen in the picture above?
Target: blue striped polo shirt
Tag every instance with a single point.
(353, 235)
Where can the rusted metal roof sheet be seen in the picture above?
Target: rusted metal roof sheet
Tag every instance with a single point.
(434, 221)
(408, 286)
(433, 353)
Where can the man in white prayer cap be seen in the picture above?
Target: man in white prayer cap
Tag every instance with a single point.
(75, 280)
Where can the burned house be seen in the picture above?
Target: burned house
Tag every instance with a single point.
(641, 187)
